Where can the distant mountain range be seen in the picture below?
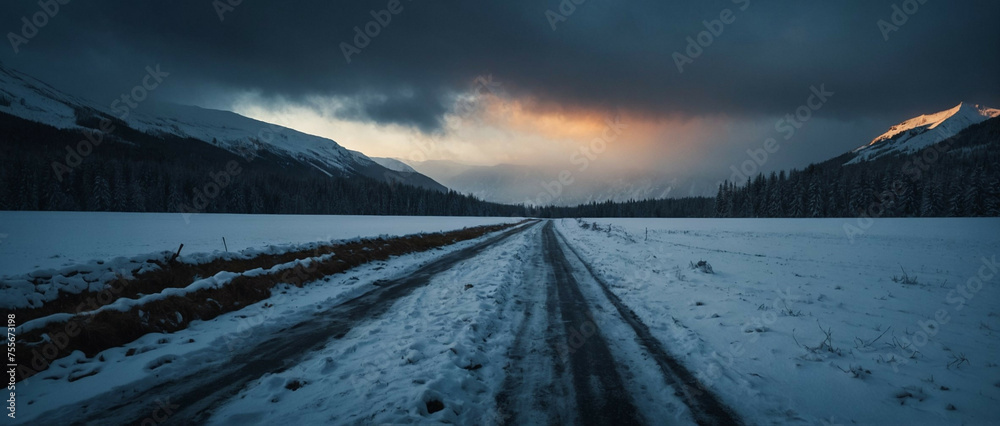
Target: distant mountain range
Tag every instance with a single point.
(534, 185)
(165, 157)
(25, 97)
(62, 152)
(507, 183)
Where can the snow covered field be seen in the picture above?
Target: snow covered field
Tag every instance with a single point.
(752, 330)
(795, 323)
(37, 240)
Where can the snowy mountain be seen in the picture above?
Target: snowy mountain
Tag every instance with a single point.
(920, 132)
(33, 100)
(393, 164)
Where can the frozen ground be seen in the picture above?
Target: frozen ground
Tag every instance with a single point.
(796, 323)
(752, 330)
(37, 240)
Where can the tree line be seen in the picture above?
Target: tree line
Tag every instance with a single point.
(138, 172)
(959, 177)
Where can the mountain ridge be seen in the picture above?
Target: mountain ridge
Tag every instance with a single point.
(924, 130)
(26, 97)
(508, 183)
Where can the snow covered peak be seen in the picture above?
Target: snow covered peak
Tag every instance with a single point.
(33, 100)
(393, 164)
(25, 97)
(963, 113)
(239, 134)
(920, 132)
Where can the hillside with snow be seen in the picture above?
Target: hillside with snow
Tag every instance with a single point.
(920, 132)
(394, 164)
(25, 97)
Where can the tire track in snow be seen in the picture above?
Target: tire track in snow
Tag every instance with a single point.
(705, 407)
(571, 377)
(536, 389)
(601, 395)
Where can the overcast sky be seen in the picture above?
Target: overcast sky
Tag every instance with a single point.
(416, 90)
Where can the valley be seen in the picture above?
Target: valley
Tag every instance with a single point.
(731, 312)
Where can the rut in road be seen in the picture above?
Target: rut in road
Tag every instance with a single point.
(536, 389)
(601, 397)
(705, 407)
(197, 393)
(563, 369)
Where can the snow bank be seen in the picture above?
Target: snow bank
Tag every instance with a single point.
(45, 253)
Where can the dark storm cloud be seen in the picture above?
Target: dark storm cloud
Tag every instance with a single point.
(606, 54)
(406, 107)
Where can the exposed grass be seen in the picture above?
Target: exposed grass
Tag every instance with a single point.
(826, 346)
(958, 360)
(108, 329)
(703, 266)
(905, 278)
(857, 371)
(178, 275)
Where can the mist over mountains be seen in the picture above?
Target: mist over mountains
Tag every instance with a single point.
(68, 153)
(540, 185)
